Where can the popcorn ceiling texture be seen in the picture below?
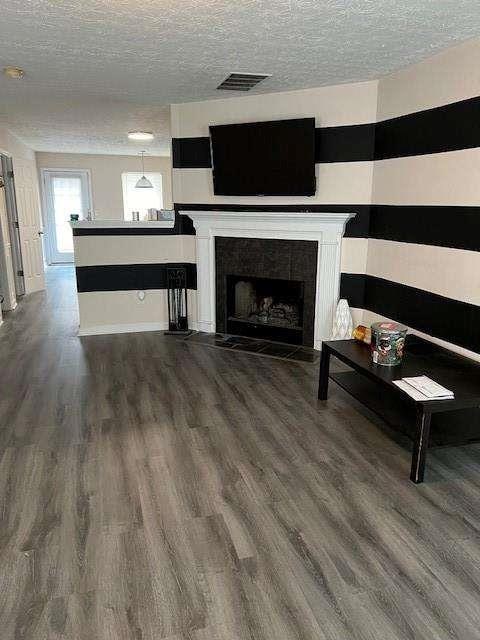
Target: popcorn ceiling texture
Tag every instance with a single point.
(97, 68)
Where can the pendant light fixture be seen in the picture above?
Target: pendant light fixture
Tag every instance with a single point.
(143, 183)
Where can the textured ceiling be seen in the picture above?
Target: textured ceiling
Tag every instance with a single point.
(98, 68)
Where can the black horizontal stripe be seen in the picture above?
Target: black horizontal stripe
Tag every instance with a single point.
(449, 127)
(184, 224)
(444, 226)
(128, 277)
(446, 128)
(353, 143)
(191, 153)
(352, 288)
(450, 320)
(456, 227)
(357, 227)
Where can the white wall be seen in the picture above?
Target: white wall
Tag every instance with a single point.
(450, 76)
(12, 146)
(331, 106)
(106, 174)
(103, 312)
(133, 249)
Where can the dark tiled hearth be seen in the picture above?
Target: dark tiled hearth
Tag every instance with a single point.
(260, 347)
(279, 350)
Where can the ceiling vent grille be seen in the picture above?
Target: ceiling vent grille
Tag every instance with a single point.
(242, 81)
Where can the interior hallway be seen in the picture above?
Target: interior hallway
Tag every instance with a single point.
(156, 488)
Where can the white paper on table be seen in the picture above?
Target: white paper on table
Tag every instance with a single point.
(414, 393)
(429, 387)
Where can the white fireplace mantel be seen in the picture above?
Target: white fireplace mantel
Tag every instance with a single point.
(325, 228)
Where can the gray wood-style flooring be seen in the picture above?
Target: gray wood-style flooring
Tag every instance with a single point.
(153, 488)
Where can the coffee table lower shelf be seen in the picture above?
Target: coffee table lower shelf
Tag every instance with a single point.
(446, 430)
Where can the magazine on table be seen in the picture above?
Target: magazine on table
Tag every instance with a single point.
(424, 388)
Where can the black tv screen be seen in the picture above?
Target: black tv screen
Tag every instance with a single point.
(264, 158)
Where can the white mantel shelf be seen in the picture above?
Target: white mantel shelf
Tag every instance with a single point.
(325, 228)
(272, 219)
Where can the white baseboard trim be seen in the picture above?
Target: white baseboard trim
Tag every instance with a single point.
(122, 328)
(206, 327)
(140, 327)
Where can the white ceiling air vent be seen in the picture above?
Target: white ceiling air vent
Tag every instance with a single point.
(242, 81)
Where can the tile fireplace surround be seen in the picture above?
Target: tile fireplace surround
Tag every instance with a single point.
(326, 229)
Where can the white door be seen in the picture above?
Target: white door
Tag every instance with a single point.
(7, 277)
(29, 223)
(66, 193)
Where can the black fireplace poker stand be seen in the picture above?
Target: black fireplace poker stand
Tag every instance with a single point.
(177, 301)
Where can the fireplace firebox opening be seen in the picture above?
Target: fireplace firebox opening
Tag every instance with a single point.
(265, 308)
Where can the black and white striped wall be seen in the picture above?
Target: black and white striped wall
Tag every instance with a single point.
(404, 154)
(344, 170)
(122, 276)
(423, 265)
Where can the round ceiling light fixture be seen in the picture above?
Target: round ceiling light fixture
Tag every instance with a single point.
(141, 135)
(14, 72)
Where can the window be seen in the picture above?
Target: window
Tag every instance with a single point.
(141, 199)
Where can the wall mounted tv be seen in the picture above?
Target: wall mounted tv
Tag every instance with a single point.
(264, 158)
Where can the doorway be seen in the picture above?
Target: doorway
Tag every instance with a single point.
(6, 169)
(66, 192)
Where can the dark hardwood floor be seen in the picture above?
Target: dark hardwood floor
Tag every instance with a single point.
(153, 488)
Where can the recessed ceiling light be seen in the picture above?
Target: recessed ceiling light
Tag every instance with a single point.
(14, 72)
(141, 135)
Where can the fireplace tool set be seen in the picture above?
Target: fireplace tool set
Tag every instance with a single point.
(177, 301)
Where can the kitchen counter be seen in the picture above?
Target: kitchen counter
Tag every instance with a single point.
(121, 269)
(126, 224)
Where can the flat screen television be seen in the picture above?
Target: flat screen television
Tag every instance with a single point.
(264, 158)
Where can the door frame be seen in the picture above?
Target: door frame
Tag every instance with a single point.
(27, 219)
(50, 252)
(6, 167)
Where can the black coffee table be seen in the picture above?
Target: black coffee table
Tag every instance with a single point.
(454, 372)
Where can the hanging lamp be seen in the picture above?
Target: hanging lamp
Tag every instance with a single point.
(143, 183)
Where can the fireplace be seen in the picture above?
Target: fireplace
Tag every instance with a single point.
(305, 248)
(269, 308)
(266, 288)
